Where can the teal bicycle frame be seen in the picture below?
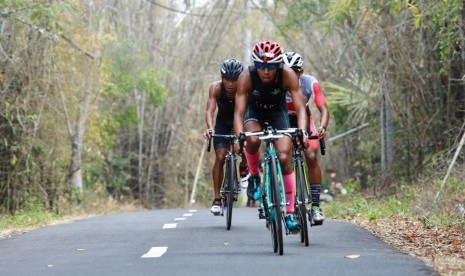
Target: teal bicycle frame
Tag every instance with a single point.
(271, 156)
(273, 198)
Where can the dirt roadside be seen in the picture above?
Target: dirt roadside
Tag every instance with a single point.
(443, 250)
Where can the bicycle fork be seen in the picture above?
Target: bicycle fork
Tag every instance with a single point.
(264, 212)
(266, 204)
(282, 194)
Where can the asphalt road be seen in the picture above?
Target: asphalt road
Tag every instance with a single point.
(193, 242)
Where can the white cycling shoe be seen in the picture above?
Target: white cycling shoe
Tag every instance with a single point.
(244, 181)
(216, 207)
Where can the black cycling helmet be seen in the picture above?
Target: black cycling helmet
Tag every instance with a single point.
(231, 69)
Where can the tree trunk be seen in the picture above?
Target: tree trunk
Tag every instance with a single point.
(152, 156)
(386, 136)
(77, 139)
(140, 104)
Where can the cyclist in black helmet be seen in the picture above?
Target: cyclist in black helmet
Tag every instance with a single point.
(222, 93)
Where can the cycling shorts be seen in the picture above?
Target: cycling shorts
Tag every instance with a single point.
(311, 143)
(223, 129)
(277, 118)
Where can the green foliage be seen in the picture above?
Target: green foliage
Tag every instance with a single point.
(356, 205)
(367, 162)
(442, 19)
(103, 167)
(127, 116)
(300, 12)
(358, 96)
(32, 214)
(149, 82)
(46, 17)
(340, 11)
(131, 71)
(413, 201)
(112, 174)
(449, 210)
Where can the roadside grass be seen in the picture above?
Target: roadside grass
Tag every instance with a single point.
(35, 215)
(412, 222)
(32, 215)
(411, 201)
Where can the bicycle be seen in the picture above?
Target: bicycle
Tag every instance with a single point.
(301, 186)
(273, 199)
(230, 187)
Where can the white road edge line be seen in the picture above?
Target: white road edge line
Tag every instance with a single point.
(169, 225)
(155, 252)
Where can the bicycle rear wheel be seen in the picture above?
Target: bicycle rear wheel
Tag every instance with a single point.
(276, 201)
(301, 197)
(230, 190)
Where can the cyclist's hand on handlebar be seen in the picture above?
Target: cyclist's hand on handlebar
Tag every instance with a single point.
(208, 133)
(321, 132)
(304, 141)
(239, 143)
(301, 139)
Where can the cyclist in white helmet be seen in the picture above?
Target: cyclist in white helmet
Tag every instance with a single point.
(310, 88)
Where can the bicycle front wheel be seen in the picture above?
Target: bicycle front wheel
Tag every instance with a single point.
(230, 190)
(301, 197)
(276, 201)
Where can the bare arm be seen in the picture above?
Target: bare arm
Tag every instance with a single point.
(320, 103)
(213, 93)
(244, 84)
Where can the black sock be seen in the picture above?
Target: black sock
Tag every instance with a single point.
(315, 190)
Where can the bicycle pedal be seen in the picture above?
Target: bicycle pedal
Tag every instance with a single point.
(261, 214)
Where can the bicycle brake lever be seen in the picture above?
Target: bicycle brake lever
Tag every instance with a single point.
(241, 140)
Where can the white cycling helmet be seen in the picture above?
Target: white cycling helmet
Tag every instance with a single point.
(293, 60)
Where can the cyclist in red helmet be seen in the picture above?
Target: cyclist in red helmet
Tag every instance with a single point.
(221, 93)
(260, 97)
(310, 88)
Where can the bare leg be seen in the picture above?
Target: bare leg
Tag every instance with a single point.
(217, 172)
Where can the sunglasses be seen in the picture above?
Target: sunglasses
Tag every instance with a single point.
(263, 66)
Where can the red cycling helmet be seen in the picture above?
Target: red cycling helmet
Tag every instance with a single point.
(267, 52)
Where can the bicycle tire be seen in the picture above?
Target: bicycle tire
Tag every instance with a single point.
(274, 237)
(230, 191)
(301, 196)
(224, 190)
(276, 199)
(266, 203)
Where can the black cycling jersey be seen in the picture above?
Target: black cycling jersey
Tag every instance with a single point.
(225, 108)
(269, 96)
(267, 102)
(224, 118)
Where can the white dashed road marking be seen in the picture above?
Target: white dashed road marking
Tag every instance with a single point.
(169, 225)
(155, 252)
